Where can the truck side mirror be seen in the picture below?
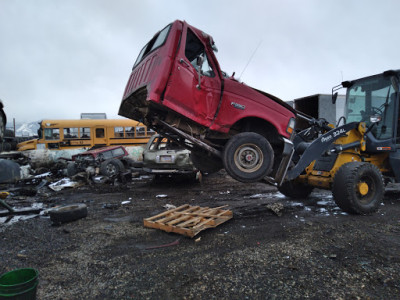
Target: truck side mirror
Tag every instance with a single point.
(199, 62)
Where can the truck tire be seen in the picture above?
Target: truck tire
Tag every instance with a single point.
(248, 157)
(295, 190)
(358, 188)
(71, 169)
(205, 163)
(68, 213)
(111, 167)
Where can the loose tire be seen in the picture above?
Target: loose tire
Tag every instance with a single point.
(248, 157)
(111, 167)
(295, 190)
(71, 169)
(68, 213)
(205, 163)
(358, 188)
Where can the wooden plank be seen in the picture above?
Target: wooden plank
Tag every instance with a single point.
(167, 212)
(190, 222)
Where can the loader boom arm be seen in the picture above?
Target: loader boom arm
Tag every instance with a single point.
(317, 148)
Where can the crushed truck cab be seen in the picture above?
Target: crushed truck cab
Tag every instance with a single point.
(178, 88)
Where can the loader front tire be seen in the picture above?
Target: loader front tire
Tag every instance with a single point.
(358, 188)
(295, 190)
(248, 157)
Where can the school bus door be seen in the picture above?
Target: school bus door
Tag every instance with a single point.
(100, 138)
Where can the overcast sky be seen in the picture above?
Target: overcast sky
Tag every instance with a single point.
(59, 58)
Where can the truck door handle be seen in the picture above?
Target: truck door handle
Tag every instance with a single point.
(184, 62)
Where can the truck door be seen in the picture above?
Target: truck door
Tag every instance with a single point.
(184, 93)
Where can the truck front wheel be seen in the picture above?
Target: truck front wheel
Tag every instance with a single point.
(111, 167)
(248, 157)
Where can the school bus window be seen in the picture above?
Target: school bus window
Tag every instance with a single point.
(140, 131)
(99, 132)
(130, 132)
(70, 133)
(51, 133)
(85, 132)
(118, 132)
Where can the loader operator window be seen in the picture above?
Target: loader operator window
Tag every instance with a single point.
(193, 49)
(370, 97)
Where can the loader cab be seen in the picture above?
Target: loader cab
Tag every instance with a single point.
(375, 101)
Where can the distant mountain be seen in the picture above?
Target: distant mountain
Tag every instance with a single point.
(25, 129)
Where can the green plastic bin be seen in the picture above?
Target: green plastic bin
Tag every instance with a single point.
(19, 284)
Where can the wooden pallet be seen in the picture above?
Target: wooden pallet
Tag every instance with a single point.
(188, 220)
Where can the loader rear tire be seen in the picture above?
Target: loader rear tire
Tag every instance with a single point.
(248, 157)
(295, 190)
(358, 188)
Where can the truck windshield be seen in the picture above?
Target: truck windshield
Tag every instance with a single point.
(370, 97)
(156, 42)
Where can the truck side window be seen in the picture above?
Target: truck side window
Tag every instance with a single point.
(157, 41)
(194, 47)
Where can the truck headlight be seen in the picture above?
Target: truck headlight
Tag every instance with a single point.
(290, 127)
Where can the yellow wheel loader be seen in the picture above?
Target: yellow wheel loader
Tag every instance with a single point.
(356, 159)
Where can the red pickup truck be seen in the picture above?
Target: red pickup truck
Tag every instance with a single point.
(177, 87)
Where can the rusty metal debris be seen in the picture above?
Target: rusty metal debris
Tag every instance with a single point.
(189, 220)
(11, 211)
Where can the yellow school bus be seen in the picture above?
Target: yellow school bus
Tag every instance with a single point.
(83, 133)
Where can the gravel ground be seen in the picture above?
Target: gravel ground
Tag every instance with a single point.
(273, 248)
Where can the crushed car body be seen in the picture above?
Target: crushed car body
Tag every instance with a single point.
(108, 161)
(165, 156)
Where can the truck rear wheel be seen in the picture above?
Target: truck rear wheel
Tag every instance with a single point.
(295, 190)
(248, 157)
(358, 188)
(205, 163)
